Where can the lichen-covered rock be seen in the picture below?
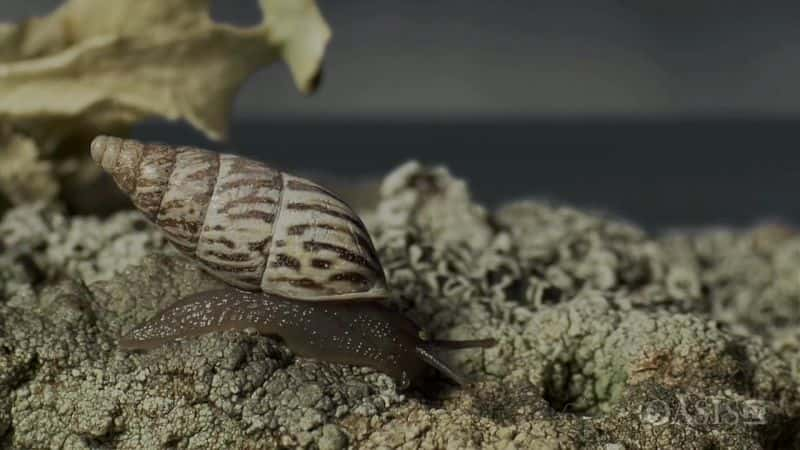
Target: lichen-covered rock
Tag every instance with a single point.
(563, 251)
(607, 338)
(40, 244)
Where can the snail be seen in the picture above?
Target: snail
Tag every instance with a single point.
(300, 263)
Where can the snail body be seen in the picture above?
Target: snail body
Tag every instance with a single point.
(300, 263)
(350, 331)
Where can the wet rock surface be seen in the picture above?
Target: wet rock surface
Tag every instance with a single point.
(608, 337)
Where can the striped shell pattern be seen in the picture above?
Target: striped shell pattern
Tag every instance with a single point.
(253, 227)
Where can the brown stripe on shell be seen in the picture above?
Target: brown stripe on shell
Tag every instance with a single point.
(203, 174)
(297, 230)
(224, 241)
(247, 200)
(259, 245)
(200, 198)
(320, 263)
(254, 214)
(252, 183)
(305, 283)
(349, 217)
(176, 203)
(228, 256)
(354, 278)
(305, 186)
(148, 203)
(180, 228)
(341, 252)
(230, 269)
(250, 281)
(244, 166)
(283, 260)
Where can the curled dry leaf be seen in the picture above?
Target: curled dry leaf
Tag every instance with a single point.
(91, 67)
(93, 63)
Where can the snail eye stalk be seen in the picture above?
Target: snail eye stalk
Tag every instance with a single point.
(431, 359)
(427, 350)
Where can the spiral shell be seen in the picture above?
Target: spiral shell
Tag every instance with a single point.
(252, 226)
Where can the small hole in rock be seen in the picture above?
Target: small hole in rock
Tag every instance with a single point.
(551, 295)
(559, 391)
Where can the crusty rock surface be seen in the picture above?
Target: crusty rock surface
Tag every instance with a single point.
(608, 337)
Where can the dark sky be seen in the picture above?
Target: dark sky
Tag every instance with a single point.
(457, 58)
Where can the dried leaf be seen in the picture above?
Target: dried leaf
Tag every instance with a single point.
(90, 67)
(92, 64)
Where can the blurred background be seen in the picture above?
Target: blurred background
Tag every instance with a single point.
(667, 113)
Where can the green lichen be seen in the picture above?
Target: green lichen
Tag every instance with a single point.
(608, 338)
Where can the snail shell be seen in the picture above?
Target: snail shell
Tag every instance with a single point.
(252, 226)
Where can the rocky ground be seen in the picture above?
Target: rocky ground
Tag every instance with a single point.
(608, 337)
